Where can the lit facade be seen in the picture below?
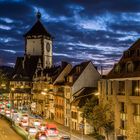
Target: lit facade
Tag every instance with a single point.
(122, 88)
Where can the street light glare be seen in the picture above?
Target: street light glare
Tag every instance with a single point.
(45, 89)
(96, 94)
(12, 89)
(43, 93)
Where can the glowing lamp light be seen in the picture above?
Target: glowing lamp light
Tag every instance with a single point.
(43, 93)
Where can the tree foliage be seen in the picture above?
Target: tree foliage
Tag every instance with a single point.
(99, 115)
(133, 133)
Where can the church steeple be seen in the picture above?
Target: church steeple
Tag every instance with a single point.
(39, 42)
(38, 28)
(38, 15)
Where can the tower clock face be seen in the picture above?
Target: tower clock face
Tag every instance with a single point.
(48, 47)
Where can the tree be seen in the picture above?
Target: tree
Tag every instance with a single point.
(99, 116)
(133, 133)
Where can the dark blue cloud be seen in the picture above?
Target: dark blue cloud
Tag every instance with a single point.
(87, 29)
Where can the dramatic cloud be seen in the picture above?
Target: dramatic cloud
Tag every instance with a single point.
(83, 29)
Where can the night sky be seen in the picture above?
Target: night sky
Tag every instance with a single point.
(97, 30)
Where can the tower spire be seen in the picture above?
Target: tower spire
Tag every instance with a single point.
(38, 15)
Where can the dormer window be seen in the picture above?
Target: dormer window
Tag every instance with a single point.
(129, 67)
(78, 69)
(70, 79)
(127, 53)
(117, 68)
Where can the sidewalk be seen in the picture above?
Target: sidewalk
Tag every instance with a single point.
(75, 133)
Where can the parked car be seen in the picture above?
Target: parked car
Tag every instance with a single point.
(41, 136)
(51, 130)
(65, 138)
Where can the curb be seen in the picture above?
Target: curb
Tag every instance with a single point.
(17, 129)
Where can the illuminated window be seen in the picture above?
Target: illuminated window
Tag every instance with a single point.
(137, 109)
(70, 79)
(136, 88)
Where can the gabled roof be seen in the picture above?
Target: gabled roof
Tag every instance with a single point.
(84, 94)
(38, 29)
(52, 72)
(63, 66)
(76, 73)
(25, 68)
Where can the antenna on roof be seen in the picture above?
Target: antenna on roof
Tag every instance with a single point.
(38, 15)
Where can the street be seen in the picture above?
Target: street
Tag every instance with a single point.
(74, 135)
(6, 132)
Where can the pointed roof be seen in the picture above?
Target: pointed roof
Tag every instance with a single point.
(76, 73)
(25, 68)
(38, 29)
